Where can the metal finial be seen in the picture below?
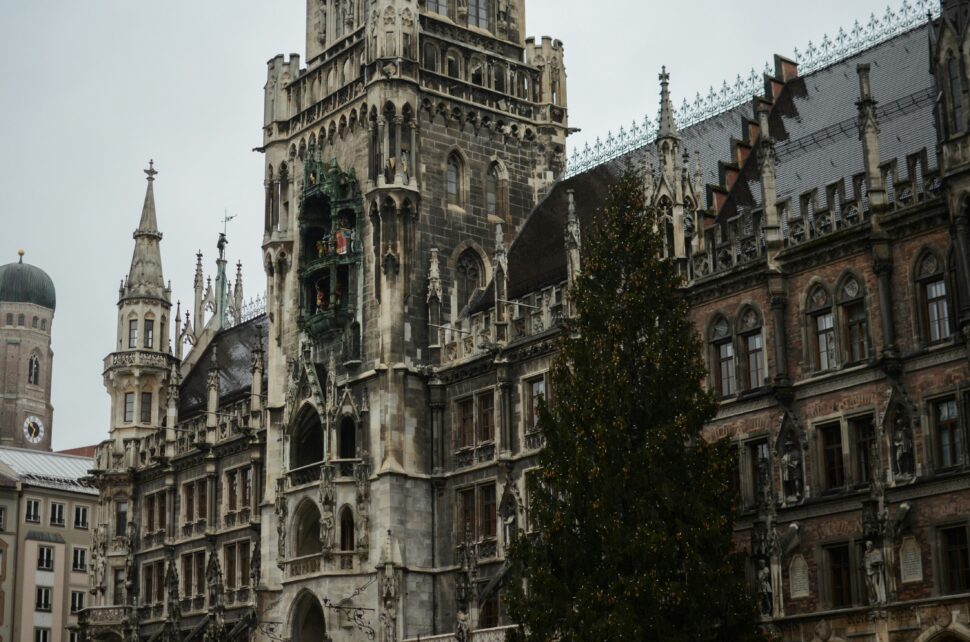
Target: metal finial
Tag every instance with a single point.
(151, 170)
(20, 253)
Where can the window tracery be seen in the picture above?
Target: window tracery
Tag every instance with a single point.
(469, 276)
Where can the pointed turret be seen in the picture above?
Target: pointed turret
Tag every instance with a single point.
(667, 127)
(137, 371)
(145, 279)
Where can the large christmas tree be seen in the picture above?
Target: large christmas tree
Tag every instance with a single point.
(631, 511)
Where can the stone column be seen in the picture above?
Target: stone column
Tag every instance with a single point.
(883, 268)
(778, 304)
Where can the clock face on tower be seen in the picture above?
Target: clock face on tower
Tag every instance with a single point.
(33, 429)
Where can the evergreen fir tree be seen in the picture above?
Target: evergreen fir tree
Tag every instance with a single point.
(631, 508)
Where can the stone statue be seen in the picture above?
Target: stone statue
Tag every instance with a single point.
(462, 633)
(327, 492)
(875, 579)
(326, 528)
(389, 594)
(254, 563)
(791, 471)
(764, 588)
(404, 164)
(213, 578)
(98, 552)
(902, 444)
(281, 513)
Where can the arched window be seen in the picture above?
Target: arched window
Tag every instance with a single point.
(347, 439)
(478, 76)
(306, 532)
(751, 340)
(346, 529)
(9, 319)
(956, 94)
(469, 276)
(722, 358)
(478, 11)
(306, 445)
(453, 65)
(934, 309)
(821, 329)
(43, 325)
(33, 323)
(430, 56)
(33, 371)
(454, 180)
(20, 320)
(855, 320)
(491, 190)
(500, 73)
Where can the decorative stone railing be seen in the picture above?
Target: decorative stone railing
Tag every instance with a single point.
(103, 615)
(527, 316)
(304, 475)
(134, 358)
(303, 566)
(481, 635)
(829, 51)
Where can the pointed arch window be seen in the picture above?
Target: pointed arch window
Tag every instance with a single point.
(933, 302)
(956, 94)
(722, 357)
(469, 276)
(855, 320)
(752, 344)
(346, 530)
(307, 529)
(33, 371)
(491, 190)
(821, 326)
(454, 180)
(347, 446)
(307, 441)
(430, 55)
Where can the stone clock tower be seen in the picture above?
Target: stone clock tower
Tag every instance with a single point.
(27, 301)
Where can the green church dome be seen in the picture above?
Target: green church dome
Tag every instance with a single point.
(24, 283)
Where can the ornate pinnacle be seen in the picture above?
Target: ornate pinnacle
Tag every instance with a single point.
(151, 170)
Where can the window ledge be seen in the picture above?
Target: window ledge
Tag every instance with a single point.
(455, 209)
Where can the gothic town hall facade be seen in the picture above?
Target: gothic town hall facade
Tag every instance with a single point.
(349, 460)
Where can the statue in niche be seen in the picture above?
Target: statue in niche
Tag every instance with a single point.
(875, 578)
(254, 562)
(322, 25)
(903, 457)
(281, 514)
(764, 482)
(764, 588)
(791, 471)
(326, 528)
(462, 632)
(405, 165)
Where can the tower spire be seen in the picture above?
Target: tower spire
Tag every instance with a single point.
(145, 277)
(667, 127)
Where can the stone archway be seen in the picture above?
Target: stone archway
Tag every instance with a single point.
(309, 624)
(944, 631)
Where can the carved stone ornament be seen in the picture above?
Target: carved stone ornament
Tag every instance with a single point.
(281, 515)
(750, 320)
(820, 297)
(721, 328)
(851, 289)
(929, 266)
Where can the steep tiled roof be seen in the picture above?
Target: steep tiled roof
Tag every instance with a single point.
(817, 143)
(49, 470)
(234, 350)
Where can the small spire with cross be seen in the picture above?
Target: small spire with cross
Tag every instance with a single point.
(151, 170)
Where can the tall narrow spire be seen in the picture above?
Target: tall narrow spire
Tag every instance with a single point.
(667, 127)
(145, 277)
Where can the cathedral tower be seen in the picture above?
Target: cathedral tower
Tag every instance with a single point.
(27, 302)
(414, 128)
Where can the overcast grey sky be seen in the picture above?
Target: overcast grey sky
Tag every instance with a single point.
(91, 90)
